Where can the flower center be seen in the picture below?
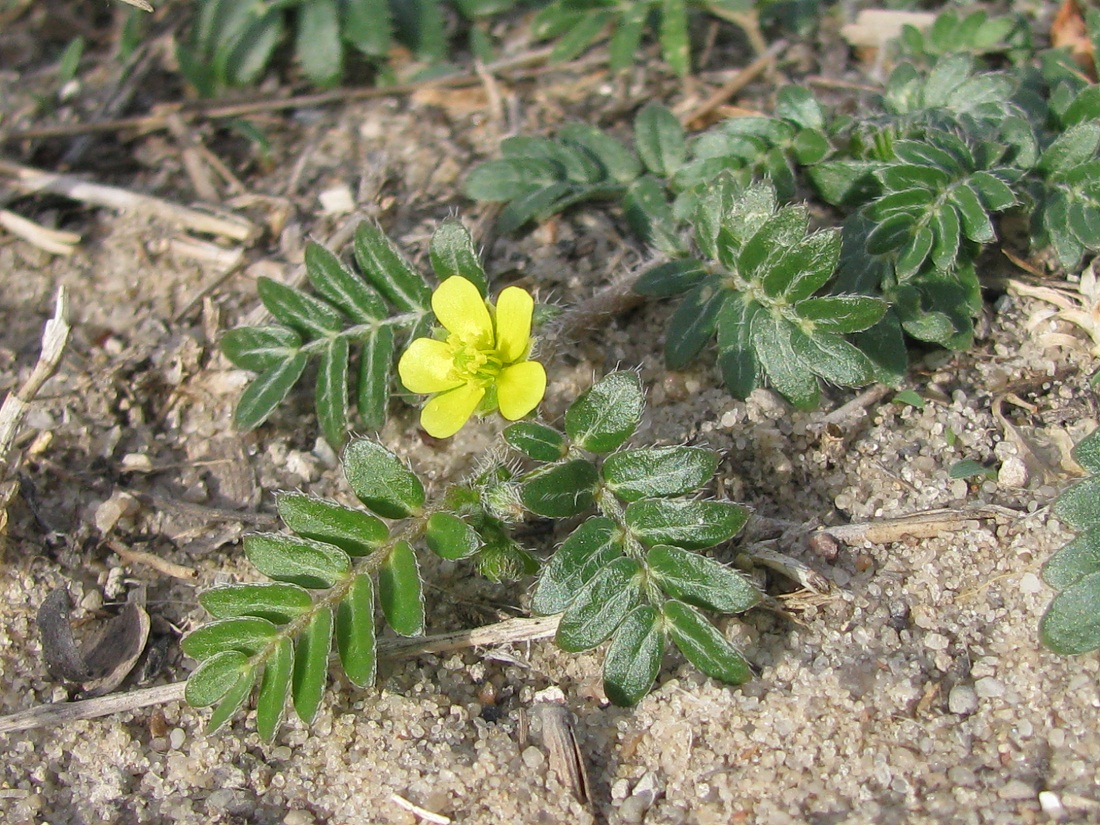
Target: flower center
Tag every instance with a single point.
(472, 363)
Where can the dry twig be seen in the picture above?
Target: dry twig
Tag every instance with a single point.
(29, 181)
(54, 337)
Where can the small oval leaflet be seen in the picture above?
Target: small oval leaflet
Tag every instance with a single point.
(277, 602)
(703, 645)
(311, 665)
(607, 413)
(381, 480)
(634, 656)
(214, 678)
(353, 531)
(589, 549)
(659, 471)
(247, 635)
(449, 537)
(561, 490)
(700, 581)
(274, 689)
(536, 441)
(601, 606)
(355, 635)
(304, 562)
(694, 525)
(399, 591)
(1071, 624)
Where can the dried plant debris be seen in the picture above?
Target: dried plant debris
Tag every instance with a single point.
(102, 662)
(564, 754)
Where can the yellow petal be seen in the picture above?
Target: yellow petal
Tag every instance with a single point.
(520, 388)
(461, 310)
(514, 309)
(444, 415)
(426, 367)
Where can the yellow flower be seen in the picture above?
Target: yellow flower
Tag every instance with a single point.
(479, 361)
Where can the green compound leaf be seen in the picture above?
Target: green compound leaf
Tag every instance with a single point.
(589, 548)
(298, 309)
(304, 562)
(267, 392)
(561, 490)
(660, 140)
(672, 278)
(331, 392)
(274, 601)
(508, 179)
(399, 591)
(601, 606)
(307, 685)
(449, 537)
(260, 348)
(693, 323)
(693, 525)
(842, 313)
(337, 284)
(703, 645)
(274, 689)
(1074, 561)
(658, 471)
(388, 270)
(607, 413)
(355, 637)
(634, 656)
(375, 363)
(353, 531)
(1071, 624)
(247, 635)
(1087, 451)
(381, 480)
(1079, 505)
(452, 253)
(317, 44)
(216, 677)
(700, 581)
(536, 441)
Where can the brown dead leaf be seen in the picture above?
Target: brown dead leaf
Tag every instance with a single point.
(1069, 30)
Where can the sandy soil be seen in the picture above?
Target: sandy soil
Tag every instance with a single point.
(915, 692)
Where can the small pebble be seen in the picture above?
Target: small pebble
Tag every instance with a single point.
(299, 818)
(989, 688)
(1051, 805)
(1013, 473)
(533, 757)
(1016, 789)
(175, 738)
(962, 700)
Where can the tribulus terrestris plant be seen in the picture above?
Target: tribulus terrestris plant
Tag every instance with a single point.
(631, 571)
